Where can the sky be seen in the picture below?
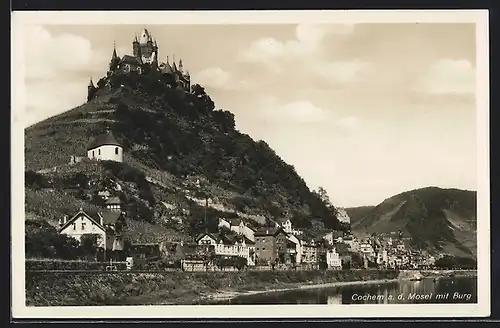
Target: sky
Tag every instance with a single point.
(364, 110)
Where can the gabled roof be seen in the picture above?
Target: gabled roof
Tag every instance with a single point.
(113, 201)
(249, 241)
(269, 231)
(110, 217)
(214, 236)
(76, 216)
(127, 59)
(282, 220)
(235, 222)
(104, 139)
(165, 68)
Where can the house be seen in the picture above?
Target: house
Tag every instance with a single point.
(229, 245)
(113, 204)
(104, 194)
(144, 251)
(297, 248)
(107, 226)
(105, 147)
(270, 244)
(382, 257)
(333, 260)
(367, 249)
(285, 224)
(309, 251)
(334, 236)
(238, 226)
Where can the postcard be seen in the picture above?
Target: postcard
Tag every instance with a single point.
(264, 164)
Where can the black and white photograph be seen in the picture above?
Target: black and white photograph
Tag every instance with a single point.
(250, 164)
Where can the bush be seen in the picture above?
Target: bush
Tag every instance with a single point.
(35, 180)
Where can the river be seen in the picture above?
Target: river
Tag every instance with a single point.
(443, 290)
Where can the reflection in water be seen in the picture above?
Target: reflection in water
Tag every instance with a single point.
(445, 290)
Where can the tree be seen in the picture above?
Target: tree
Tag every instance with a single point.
(89, 244)
(42, 240)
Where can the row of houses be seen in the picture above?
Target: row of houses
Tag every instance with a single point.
(278, 244)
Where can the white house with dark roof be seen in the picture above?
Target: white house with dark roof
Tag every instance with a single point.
(107, 226)
(105, 147)
(114, 204)
(285, 224)
(238, 225)
(229, 245)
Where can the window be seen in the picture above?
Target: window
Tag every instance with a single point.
(93, 155)
(99, 151)
(83, 225)
(116, 150)
(74, 225)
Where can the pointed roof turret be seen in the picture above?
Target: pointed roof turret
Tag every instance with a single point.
(104, 139)
(135, 39)
(174, 66)
(91, 84)
(181, 67)
(114, 56)
(187, 73)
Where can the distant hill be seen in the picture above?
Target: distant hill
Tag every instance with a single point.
(357, 213)
(432, 218)
(172, 138)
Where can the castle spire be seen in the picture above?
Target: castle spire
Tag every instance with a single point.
(180, 65)
(135, 38)
(114, 56)
(174, 66)
(91, 84)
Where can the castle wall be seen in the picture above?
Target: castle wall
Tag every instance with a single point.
(106, 153)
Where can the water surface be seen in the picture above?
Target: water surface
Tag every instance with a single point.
(443, 290)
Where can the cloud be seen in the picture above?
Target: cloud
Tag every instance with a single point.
(305, 113)
(212, 77)
(448, 76)
(349, 123)
(304, 55)
(50, 56)
(57, 71)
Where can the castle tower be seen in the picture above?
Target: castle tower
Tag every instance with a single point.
(115, 60)
(146, 45)
(136, 47)
(180, 66)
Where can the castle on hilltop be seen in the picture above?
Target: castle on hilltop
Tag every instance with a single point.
(144, 60)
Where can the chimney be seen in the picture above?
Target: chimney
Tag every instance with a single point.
(65, 219)
(101, 219)
(61, 222)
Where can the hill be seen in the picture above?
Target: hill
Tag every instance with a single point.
(178, 149)
(357, 213)
(431, 218)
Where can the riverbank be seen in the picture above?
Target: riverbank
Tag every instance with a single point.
(60, 289)
(224, 296)
(449, 273)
